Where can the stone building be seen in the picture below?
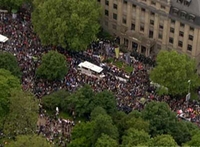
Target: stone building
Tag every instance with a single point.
(147, 26)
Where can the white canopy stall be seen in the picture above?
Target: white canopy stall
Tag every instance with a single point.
(3, 38)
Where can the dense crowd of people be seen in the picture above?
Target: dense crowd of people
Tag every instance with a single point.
(26, 46)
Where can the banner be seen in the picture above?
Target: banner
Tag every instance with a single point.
(117, 52)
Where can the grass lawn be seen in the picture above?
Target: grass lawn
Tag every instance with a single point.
(120, 64)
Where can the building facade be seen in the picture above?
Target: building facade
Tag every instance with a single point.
(147, 26)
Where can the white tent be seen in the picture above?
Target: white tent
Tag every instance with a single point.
(3, 38)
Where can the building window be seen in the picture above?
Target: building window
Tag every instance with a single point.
(143, 10)
(171, 40)
(142, 28)
(172, 30)
(132, 26)
(175, 11)
(180, 43)
(152, 13)
(114, 27)
(161, 26)
(115, 6)
(124, 20)
(125, 1)
(189, 47)
(107, 2)
(183, 14)
(191, 29)
(190, 37)
(106, 12)
(153, 3)
(151, 22)
(162, 7)
(191, 18)
(182, 25)
(160, 35)
(133, 5)
(150, 34)
(181, 34)
(173, 21)
(114, 16)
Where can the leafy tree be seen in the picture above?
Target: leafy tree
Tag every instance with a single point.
(29, 140)
(118, 120)
(104, 125)
(195, 141)
(163, 140)
(180, 132)
(133, 137)
(106, 141)
(96, 112)
(9, 62)
(7, 83)
(173, 71)
(55, 99)
(12, 4)
(82, 101)
(54, 66)
(138, 123)
(106, 100)
(159, 116)
(82, 135)
(23, 114)
(72, 23)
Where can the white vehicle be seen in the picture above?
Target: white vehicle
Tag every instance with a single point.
(91, 69)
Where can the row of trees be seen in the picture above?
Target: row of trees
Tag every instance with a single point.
(156, 125)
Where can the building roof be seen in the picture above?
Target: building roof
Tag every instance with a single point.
(193, 8)
(91, 66)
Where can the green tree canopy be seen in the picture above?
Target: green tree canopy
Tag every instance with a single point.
(29, 141)
(82, 101)
(163, 140)
(53, 67)
(104, 125)
(9, 62)
(12, 4)
(133, 137)
(72, 23)
(23, 114)
(173, 71)
(180, 132)
(106, 141)
(106, 100)
(82, 135)
(195, 141)
(54, 100)
(96, 112)
(7, 83)
(159, 116)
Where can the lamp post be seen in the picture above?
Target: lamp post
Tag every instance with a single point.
(188, 95)
(189, 84)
